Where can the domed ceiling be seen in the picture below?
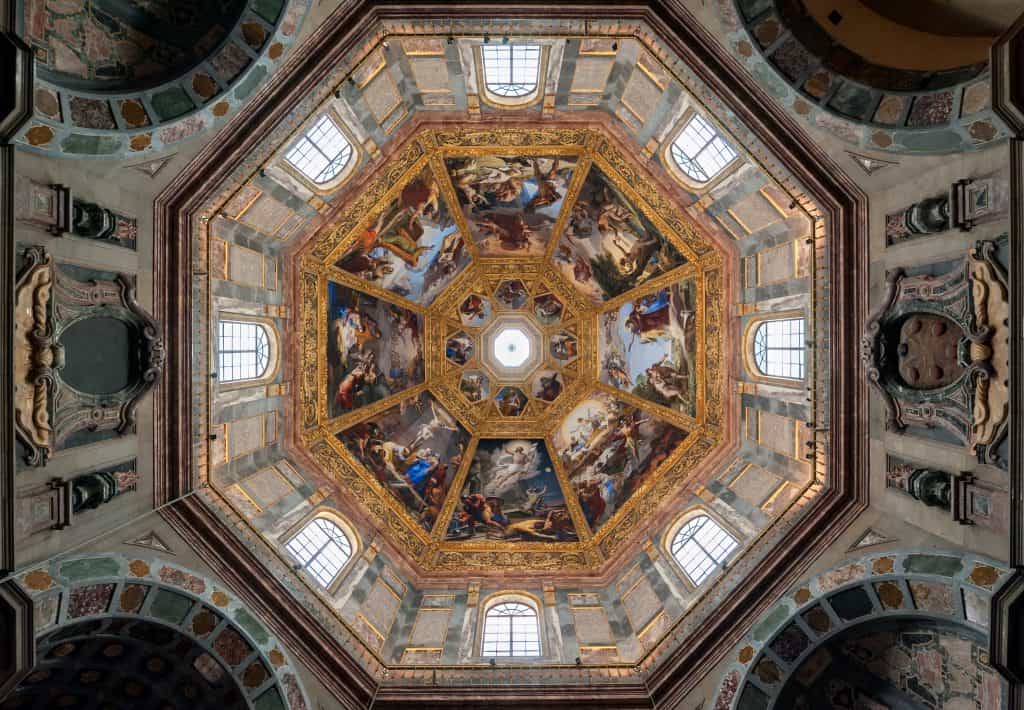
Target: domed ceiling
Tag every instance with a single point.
(513, 351)
(111, 46)
(517, 338)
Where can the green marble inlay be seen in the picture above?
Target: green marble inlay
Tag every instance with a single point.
(929, 140)
(172, 103)
(775, 617)
(90, 145)
(249, 622)
(89, 568)
(170, 606)
(247, 85)
(933, 564)
(268, 9)
(270, 700)
(769, 80)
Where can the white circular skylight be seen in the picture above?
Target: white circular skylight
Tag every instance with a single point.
(511, 347)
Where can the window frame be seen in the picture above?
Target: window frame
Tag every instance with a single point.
(273, 350)
(680, 173)
(499, 101)
(343, 175)
(750, 332)
(498, 599)
(673, 532)
(302, 568)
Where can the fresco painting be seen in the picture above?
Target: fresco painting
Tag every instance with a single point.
(512, 294)
(474, 311)
(564, 346)
(373, 349)
(609, 247)
(412, 247)
(511, 494)
(511, 401)
(548, 309)
(511, 202)
(548, 385)
(459, 348)
(609, 449)
(648, 347)
(475, 386)
(414, 450)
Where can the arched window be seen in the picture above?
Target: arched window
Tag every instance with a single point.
(322, 549)
(700, 546)
(322, 152)
(779, 348)
(700, 151)
(243, 349)
(511, 71)
(511, 628)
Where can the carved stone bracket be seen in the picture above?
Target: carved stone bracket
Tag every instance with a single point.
(35, 356)
(990, 296)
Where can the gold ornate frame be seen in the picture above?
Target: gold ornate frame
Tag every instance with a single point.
(317, 431)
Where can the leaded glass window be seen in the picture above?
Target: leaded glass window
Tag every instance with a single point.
(322, 152)
(511, 629)
(511, 70)
(243, 350)
(700, 151)
(779, 348)
(701, 546)
(322, 549)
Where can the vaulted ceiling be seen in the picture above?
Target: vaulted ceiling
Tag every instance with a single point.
(462, 219)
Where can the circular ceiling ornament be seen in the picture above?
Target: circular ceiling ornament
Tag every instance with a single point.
(525, 377)
(511, 347)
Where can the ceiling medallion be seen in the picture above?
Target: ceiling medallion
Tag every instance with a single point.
(511, 349)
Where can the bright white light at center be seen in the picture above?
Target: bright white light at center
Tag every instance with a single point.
(511, 347)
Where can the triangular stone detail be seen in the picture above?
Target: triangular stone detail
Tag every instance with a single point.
(870, 538)
(870, 165)
(152, 168)
(151, 541)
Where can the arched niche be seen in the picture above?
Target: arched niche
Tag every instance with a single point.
(916, 663)
(917, 587)
(130, 662)
(85, 598)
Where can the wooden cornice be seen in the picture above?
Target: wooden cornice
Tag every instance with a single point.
(843, 205)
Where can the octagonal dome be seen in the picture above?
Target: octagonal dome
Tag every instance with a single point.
(479, 349)
(643, 286)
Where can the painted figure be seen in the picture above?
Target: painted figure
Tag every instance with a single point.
(373, 350)
(413, 450)
(512, 494)
(609, 449)
(511, 202)
(411, 247)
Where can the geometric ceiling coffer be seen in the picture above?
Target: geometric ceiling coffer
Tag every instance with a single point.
(512, 344)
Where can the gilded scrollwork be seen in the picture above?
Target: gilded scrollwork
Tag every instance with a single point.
(578, 317)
